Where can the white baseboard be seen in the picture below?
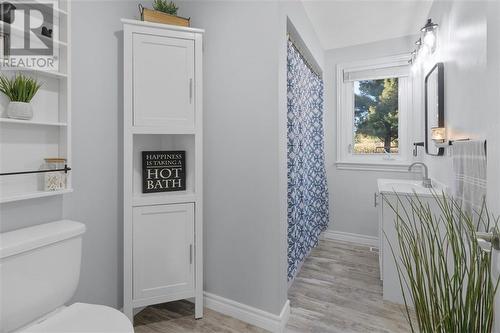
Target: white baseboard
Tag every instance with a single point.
(352, 238)
(268, 321)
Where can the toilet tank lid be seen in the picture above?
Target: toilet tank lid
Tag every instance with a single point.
(26, 239)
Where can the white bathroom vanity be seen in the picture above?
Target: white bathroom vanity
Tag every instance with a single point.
(389, 190)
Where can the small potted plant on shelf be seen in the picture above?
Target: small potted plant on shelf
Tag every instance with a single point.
(164, 12)
(20, 89)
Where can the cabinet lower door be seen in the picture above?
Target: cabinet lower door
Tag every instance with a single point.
(163, 250)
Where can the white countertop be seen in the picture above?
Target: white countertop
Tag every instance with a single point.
(405, 186)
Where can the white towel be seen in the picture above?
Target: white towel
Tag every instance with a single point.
(469, 165)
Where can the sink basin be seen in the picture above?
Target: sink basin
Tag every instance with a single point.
(404, 186)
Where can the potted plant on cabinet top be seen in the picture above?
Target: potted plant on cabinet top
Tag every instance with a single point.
(164, 12)
(20, 90)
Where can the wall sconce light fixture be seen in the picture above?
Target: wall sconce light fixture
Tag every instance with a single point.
(429, 34)
(438, 134)
(426, 44)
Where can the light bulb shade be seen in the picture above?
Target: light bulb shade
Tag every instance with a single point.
(413, 56)
(438, 134)
(430, 39)
(425, 51)
(429, 35)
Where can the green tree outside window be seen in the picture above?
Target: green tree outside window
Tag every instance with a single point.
(376, 116)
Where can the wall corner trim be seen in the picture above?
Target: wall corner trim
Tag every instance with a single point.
(352, 238)
(248, 314)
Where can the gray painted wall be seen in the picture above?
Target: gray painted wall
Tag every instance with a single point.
(494, 116)
(97, 145)
(463, 50)
(493, 92)
(242, 257)
(15, 215)
(351, 191)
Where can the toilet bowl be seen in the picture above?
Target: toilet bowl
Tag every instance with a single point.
(40, 269)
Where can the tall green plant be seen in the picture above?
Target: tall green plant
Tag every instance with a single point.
(165, 6)
(444, 275)
(20, 88)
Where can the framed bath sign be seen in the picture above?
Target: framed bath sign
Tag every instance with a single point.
(163, 171)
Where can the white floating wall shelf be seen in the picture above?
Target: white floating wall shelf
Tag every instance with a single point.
(30, 122)
(40, 72)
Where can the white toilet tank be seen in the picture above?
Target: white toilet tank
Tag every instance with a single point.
(39, 271)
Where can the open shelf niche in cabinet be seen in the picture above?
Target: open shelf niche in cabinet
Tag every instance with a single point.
(164, 142)
(24, 144)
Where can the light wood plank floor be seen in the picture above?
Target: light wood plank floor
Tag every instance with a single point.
(178, 317)
(337, 290)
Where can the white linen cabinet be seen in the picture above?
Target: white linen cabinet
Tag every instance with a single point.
(163, 231)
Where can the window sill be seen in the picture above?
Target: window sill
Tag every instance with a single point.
(394, 166)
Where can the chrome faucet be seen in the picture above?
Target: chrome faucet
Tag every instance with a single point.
(426, 181)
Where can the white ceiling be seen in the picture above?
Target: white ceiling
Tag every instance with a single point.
(352, 22)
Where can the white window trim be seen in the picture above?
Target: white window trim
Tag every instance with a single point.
(345, 106)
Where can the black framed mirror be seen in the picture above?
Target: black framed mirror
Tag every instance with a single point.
(434, 107)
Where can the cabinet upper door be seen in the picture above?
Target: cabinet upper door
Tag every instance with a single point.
(163, 82)
(163, 250)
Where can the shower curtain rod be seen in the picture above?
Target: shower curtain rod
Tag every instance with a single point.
(301, 54)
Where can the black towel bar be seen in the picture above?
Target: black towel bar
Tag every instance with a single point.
(450, 143)
(65, 169)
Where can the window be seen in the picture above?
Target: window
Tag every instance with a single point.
(376, 120)
(374, 102)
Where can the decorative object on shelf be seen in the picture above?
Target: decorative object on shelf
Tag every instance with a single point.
(20, 90)
(7, 12)
(20, 110)
(56, 180)
(164, 12)
(46, 32)
(438, 134)
(163, 171)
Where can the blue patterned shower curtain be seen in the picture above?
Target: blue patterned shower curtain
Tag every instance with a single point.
(307, 186)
